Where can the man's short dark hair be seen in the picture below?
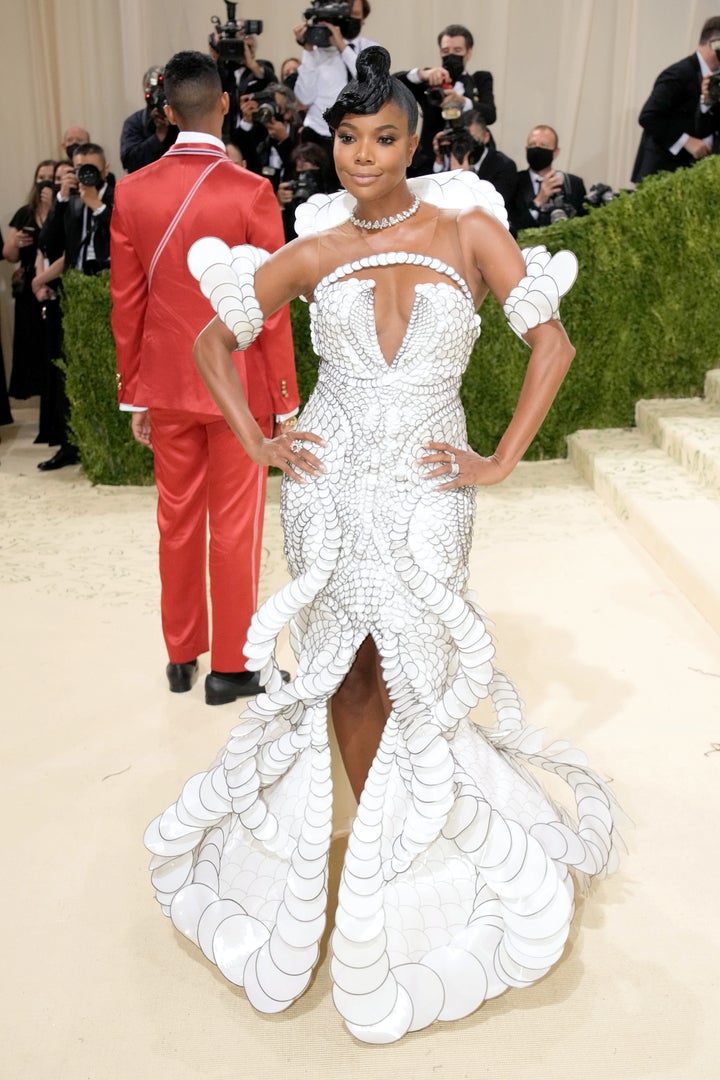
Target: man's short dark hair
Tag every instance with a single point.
(710, 30)
(365, 8)
(89, 148)
(472, 116)
(456, 30)
(192, 85)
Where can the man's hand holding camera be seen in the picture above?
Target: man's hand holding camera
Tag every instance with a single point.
(249, 50)
(336, 40)
(434, 76)
(68, 185)
(299, 33)
(551, 185)
(248, 108)
(161, 123)
(90, 195)
(285, 193)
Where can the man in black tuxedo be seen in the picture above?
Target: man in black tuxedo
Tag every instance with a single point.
(83, 210)
(452, 88)
(542, 193)
(147, 133)
(680, 124)
(486, 160)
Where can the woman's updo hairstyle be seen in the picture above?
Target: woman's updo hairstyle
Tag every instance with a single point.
(372, 88)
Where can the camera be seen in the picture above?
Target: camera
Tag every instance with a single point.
(713, 90)
(267, 108)
(307, 184)
(599, 194)
(337, 14)
(558, 207)
(454, 65)
(90, 176)
(228, 38)
(455, 138)
(155, 93)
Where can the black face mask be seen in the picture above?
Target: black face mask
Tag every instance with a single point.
(350, 28)
(40, 184)
(538, 157)
(454, 65)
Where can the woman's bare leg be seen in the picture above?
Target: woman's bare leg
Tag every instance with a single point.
(360, 708)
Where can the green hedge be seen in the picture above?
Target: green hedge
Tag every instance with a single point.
(641, 315)
(109, 453)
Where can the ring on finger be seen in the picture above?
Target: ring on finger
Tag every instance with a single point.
(451, 457)
(296, 446)
(454, 470)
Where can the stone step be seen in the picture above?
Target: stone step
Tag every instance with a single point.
(712, 386)
(688, 429)
(674, 516)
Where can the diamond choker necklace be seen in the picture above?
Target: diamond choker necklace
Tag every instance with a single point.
(387, 221)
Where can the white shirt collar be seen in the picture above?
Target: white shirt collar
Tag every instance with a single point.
(704, 67)
(199, 137)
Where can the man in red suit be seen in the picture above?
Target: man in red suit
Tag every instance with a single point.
(203, 475)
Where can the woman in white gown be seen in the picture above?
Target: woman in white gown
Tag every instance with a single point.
(456, 879)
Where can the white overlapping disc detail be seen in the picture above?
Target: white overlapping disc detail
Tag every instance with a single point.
(536, 297)
(227, 278)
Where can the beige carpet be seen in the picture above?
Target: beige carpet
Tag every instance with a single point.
(96, 984)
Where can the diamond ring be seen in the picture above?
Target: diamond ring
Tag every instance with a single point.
(454, 470)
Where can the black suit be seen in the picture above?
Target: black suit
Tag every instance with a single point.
(477, 87)
(66, 226)
(500, 171)
(519, 208)
(139, 145)
(672, 110)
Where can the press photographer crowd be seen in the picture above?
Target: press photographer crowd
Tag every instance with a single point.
(275, 127)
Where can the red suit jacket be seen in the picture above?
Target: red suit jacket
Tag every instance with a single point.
(158, 309)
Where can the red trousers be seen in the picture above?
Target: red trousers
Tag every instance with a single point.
(206, 480)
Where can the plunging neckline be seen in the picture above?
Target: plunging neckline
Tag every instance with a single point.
(394, 258)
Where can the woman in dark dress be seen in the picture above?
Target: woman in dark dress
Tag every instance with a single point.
(27, 376)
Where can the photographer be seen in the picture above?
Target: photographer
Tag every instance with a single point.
(470, 146)
(79, 221)
(313, 173)
(147, 133)
(543, 194)
(681, 118)
(446, 91)
(268, 131)
(233, 45)
(331, 42)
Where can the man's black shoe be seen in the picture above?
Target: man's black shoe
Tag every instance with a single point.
(223, 687)
(181, 676)
(66, 455)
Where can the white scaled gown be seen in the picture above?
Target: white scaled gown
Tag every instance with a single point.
(456, 882)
